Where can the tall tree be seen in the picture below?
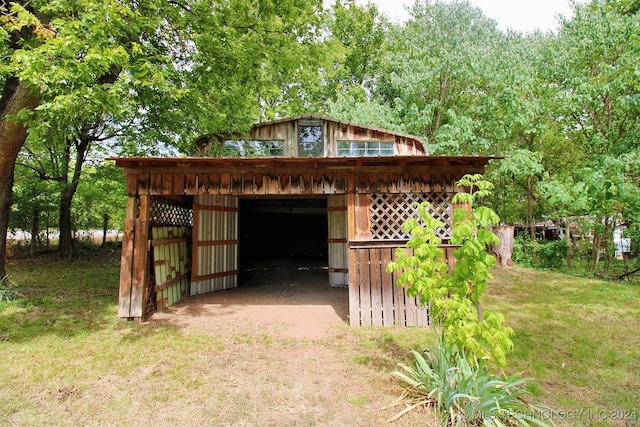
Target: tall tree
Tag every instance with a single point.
(432, 74)
(595, 73)
(84, 58)
(174, 68)
(360, 35)
(18, 28)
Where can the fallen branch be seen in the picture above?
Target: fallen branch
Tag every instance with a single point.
(629, 273)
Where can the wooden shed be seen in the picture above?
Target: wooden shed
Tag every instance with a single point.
(356, 185)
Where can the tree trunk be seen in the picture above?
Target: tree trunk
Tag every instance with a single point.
(530, 220)
(48, 228)
(66, 197)
(503, 250)
(35, 230)
(15, 97)
(65, 242)
(567, 227)
(595, 253)
(105, 226)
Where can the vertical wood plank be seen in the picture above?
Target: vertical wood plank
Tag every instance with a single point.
(365, 287)
(178, 183)
(399, 302)
(132, 185)
(190, 183)
(140, 258)
(411, 311)
(422, 313)
(126, 259)
(376, 286)
(167, 183)
(387, 289)
(354, 291)
(156, 183)
(361, 216)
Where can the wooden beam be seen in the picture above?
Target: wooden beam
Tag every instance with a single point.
(140, 259)
(126, 260)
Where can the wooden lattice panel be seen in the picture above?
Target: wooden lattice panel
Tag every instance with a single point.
(388, 213)
(165, 211)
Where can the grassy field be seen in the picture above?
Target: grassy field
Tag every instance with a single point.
(65, 358)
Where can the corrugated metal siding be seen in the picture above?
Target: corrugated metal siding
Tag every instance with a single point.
(171, 264)
(338, 248)
(215, 243)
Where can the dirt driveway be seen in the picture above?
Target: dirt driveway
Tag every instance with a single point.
(287, 299)
(290, 357)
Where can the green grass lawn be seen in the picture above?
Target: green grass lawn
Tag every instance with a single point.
(578, 338)
(66, 359)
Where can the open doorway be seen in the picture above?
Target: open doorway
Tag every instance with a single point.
(283, 241)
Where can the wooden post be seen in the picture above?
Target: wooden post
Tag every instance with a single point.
(126, 259)
(140, 258)
(135, 258)
(354, 293)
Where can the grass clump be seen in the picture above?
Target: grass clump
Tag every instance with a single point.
(8, 291)
(462, 391)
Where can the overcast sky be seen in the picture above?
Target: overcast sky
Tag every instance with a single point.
(519, 15)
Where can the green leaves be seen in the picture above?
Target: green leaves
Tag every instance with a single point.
(454, 297)
(463, 392)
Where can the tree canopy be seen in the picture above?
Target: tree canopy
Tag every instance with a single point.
(84, 79)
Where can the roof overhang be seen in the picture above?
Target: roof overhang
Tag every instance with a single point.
(292, 176)
(308, 165)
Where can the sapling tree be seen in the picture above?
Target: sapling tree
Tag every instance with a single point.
(455, 296)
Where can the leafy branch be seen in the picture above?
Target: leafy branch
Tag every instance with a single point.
(455, 296)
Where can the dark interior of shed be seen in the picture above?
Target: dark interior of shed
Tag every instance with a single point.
(282, 234)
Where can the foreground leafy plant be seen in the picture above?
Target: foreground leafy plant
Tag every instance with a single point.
(464, 392)
(455, 297)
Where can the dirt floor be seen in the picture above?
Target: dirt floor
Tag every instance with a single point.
(290, 357)
(290, 299)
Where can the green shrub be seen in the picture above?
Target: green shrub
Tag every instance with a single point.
(524, 250)
(551, 254)
(455, 297)
(544, 254)
(463, 392)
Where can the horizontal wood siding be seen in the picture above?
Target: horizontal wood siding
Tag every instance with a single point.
(334, 131)
(171, 264)
(375, 299)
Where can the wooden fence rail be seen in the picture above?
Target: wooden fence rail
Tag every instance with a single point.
(374, 297)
